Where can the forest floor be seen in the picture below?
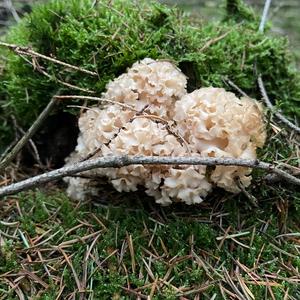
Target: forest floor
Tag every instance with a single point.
(124, 246)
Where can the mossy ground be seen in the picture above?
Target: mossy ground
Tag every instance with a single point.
(123, 246)
(52, 246)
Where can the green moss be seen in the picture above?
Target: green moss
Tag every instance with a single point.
(178, 241)
(238, 11)
(109, 37)
(8, 257)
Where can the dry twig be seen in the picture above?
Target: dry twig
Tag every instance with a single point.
(28, 135)
(35, 152)
(95, 99)
(264, 16)
(36, 66)
(27, 51)
(11, 8)
(282, 118)
(233, 85)
(215, 40)
(120, 161)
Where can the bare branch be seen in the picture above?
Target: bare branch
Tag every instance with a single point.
(28, 135)
(12, 9)
(282, 118)
(69, 85)
(120, 161)
(34, 63)
(27, 51)
(233, 85)
(35, 153)
(264, 15)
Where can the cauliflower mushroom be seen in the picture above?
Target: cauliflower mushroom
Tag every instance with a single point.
(153, 83)
(141, 136)
(211, 121)
(216, 123)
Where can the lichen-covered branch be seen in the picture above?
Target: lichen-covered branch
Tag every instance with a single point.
(121, 161)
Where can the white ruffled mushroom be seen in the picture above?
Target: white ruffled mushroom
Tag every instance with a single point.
(141, 136)
(216, 123)
(153, 83)
(98, 126)
(211, 122)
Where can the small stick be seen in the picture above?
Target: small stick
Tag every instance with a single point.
(120, 161)
(269, 104)
(95, 99)
(250, 197)
(282, 118)
(36, 154)
(28, 135)
(264, 16)
(215, 40)
(69, 85)
(37, 67)
(233, 85)
(27, 51)
(12, 9)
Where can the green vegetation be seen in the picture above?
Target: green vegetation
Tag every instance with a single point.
(138, 247)
(109, 36)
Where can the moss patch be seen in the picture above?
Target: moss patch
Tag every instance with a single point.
(112, 35)
(118, 251)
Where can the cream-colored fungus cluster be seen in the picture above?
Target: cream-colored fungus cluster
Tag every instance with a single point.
(216, 123)
(208, 122)
(157, 84)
